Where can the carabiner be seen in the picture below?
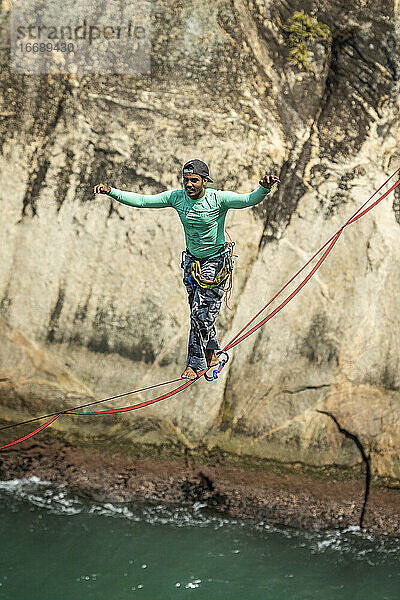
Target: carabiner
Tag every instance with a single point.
(221, 365)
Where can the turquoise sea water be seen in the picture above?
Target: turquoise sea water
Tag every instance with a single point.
(58, 547)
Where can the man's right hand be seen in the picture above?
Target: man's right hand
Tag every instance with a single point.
(101, 188)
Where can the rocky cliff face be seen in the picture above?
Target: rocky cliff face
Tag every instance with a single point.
(96, 287)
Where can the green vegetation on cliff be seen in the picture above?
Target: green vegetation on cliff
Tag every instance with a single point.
(302, 29)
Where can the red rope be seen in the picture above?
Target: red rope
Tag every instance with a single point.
(29, 435)
(142, 404)
(238, 337)
(71, 410)
(335, 237)
(320, 250)
(287, 300)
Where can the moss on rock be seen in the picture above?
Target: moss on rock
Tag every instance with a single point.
(301, 30)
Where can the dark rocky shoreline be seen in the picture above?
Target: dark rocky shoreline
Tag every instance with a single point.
(288, 500)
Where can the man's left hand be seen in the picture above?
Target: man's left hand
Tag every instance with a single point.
(269, 180)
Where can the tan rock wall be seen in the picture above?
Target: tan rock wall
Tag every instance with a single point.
(97, 285)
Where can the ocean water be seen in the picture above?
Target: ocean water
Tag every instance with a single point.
(55, 546)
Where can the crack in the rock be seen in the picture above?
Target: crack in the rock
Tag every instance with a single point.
(305, 388)
(40, 164)
(366, 460)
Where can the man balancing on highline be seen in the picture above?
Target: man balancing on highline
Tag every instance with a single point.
(207, 261)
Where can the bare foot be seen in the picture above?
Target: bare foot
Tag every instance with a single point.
(212, 358)
(189, 373)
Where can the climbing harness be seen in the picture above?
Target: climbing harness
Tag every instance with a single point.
(221, 365)
(239, 337)
(223, 274)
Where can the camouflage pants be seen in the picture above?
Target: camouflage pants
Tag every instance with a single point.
(204, 308)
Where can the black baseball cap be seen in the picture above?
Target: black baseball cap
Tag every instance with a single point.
(197, 167)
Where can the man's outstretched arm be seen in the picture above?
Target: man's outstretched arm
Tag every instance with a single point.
(234, 200)
(133, 199)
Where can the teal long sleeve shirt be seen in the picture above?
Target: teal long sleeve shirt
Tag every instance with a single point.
(203, 219)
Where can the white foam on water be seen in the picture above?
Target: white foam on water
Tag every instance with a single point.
(41, 494)
(351, 540)
(18, 484)
(57, 500)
